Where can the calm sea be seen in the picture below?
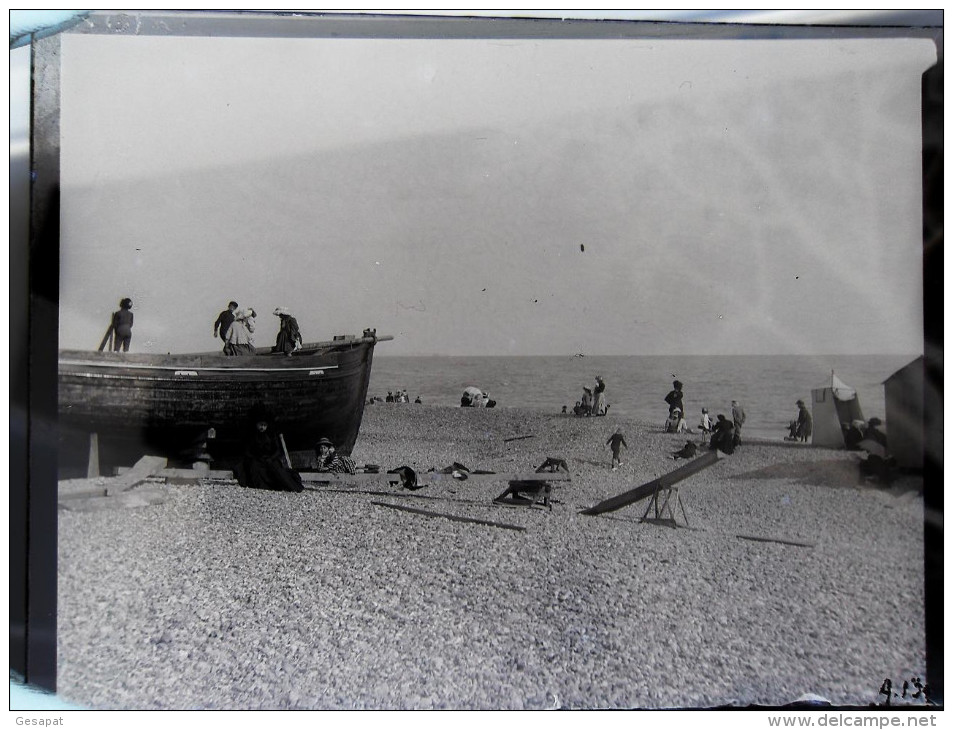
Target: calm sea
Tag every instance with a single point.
(767, 386)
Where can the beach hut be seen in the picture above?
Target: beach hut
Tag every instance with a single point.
(833, 404)
(903, 400)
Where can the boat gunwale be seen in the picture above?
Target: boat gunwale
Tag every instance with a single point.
(186, 369)
(312, 356)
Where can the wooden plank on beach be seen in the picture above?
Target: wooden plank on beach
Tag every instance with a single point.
(79, 488)
(520, 438)
(428, 477)
(502, 477)
(185, 473)
(146, 467)
(455, 518)
(318, 477)
(776, 539)
(650, 488)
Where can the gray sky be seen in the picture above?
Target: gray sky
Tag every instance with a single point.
(732, 197)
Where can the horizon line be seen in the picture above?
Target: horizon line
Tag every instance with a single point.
(382, 354)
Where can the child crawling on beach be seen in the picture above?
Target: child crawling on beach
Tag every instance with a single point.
(616, 442)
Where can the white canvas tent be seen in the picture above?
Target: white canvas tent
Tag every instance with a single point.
(832, 405)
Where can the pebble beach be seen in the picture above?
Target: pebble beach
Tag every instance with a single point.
(786, 576)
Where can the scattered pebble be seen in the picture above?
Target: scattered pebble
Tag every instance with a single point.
(227, 598)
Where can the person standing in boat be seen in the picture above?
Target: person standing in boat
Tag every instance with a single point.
(122, 326)
(261, 466)
(240, 340)
(289, 336)
(224, 321)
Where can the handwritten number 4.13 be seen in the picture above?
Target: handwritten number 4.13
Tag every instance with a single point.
(922, 690)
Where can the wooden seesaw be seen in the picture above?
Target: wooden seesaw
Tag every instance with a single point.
(663, 493)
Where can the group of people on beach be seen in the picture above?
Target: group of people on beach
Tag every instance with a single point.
(593, 402)
(236, 328)
(722, 434)
(393, 396)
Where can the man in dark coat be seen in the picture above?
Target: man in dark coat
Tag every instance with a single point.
(674, 398)
(723, 437)
(224, 321)
(805, 423)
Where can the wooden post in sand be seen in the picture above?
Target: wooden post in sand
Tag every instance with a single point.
(650, 488)
(92, 466)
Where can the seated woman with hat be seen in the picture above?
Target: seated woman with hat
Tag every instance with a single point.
(328, 460)
(675, 423)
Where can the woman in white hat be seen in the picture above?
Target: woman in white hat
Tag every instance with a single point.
(239, 339)
(289, 336)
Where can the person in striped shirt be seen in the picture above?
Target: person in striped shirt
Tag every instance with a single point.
(328, 460)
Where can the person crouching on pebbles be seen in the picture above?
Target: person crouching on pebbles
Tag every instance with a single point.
(616, 442)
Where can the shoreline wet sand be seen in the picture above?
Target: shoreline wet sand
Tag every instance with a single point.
(212, 596)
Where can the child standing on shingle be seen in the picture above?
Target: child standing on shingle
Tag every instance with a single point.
(616, 441)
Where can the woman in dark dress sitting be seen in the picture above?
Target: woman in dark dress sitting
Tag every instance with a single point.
(261, 466)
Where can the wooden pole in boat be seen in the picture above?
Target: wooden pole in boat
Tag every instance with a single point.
(107, 338)
(284, 448)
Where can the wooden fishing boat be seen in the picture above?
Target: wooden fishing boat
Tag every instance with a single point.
(201, 404)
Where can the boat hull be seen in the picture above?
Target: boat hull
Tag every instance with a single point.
(190, 405)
